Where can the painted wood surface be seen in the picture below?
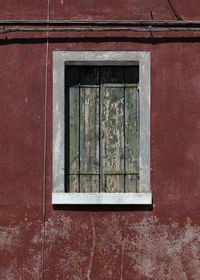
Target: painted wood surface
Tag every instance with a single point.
(103, 129)
(112, 125)
(73, 180)
(131, 138)
(89, 138)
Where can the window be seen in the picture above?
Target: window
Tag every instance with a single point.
(101, 127)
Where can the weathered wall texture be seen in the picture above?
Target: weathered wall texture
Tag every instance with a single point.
(93, 243)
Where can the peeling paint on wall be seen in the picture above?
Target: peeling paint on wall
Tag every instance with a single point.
(165, 251)
(116, 246)
(21, 256)
(119, 248)
(99, 245)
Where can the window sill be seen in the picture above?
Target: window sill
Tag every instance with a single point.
(102, 198)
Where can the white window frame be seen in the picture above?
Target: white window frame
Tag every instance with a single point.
(96, 58)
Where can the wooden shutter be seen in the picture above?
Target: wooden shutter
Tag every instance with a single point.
(101, 129)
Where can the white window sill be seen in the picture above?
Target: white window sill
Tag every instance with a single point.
(102, 198)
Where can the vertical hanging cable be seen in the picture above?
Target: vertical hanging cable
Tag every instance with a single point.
(45, 147)
(151, 14)
(176, 13)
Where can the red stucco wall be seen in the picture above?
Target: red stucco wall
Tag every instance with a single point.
(93, 243)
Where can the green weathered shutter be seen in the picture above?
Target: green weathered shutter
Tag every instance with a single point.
(101, 129)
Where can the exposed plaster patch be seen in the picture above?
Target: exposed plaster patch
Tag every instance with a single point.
(109, 240)
(167, 252)
(74, 241)
(10, 272)
(9, 237)
(37, 239)
(21, 245)
(58, 228)
(115, 245)
(33, 265)
(123, 248)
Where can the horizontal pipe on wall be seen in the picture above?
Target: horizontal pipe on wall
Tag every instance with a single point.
(101, 22)
(88, 29)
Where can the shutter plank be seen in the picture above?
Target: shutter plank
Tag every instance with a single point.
(114, 183)
(89, 183)
(72, 162)
(89, 138)
(131, 138)
(113, 137)
(131, 182)
(72, 183)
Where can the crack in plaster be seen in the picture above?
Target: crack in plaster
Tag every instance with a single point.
(92, 249)
(122, 260)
